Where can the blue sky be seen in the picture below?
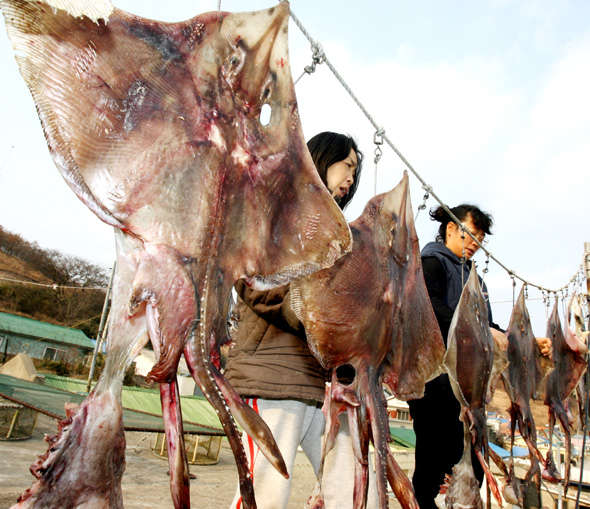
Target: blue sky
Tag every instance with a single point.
(488, 100)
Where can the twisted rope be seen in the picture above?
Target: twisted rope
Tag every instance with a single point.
(380, 129)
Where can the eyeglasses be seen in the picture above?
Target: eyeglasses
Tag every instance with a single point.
(480, 238)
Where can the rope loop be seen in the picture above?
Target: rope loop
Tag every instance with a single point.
(378, 136)
(317, 57)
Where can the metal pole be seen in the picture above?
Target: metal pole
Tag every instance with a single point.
(558, 465)
(105, 309)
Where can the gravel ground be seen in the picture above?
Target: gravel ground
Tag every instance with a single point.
(145, 483)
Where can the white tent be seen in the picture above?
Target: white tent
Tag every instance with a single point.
(21, 366)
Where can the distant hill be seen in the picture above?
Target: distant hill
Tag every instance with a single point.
(13, 268)
(50, 286)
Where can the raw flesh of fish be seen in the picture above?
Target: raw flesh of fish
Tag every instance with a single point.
(370, 315)
(156, 127)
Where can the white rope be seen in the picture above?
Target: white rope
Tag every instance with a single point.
(378, 128)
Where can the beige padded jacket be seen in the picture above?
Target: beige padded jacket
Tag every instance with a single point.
(270, 358)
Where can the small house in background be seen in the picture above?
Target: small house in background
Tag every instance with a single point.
(399, 413)
(41, 340)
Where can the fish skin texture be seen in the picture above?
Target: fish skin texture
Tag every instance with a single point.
(569, 359)
(156, 128)
(576, 320)
(469, 361)
(523, 381)
(371, 311)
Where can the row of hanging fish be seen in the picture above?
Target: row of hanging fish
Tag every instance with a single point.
(474, 365)
(371, 311)
(156, 128)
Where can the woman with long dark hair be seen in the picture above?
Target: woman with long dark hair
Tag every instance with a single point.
(271, 365)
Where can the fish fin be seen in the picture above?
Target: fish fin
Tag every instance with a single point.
(177, 459)
(252, 423)
(400, 484)
(417, 346)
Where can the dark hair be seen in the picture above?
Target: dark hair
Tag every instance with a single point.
(480, 219)
(328, 148)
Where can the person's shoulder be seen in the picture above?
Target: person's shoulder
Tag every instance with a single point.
(432, 249)
(432, 264)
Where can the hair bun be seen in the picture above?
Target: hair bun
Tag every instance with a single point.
(439, 214)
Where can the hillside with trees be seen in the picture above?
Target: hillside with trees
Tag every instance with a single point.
(50, 286)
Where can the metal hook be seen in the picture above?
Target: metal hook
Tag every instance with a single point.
(318, 57)
(378, 141)
(422, 207)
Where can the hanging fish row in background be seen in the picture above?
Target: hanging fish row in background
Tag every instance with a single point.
(527, 375)
(533, 376)
(570, 361)
(156, 127)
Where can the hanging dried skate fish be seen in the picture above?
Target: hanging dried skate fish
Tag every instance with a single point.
(524, 380)
(371, 312)
(569, 358)
(156, 127)
(474, 365)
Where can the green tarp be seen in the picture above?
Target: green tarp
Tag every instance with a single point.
(194, 408)
(404, 437)
(51, 401)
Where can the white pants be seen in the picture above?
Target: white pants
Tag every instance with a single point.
(301, 423)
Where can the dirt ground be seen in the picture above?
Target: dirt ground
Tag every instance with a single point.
(145, 483)
(501, 403)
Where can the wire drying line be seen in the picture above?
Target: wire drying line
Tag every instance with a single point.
(53, 286)
(380, 129)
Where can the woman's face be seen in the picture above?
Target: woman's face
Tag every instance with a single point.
(340, 175)
(456, 244)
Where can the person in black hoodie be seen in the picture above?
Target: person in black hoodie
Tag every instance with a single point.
(439, 432)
